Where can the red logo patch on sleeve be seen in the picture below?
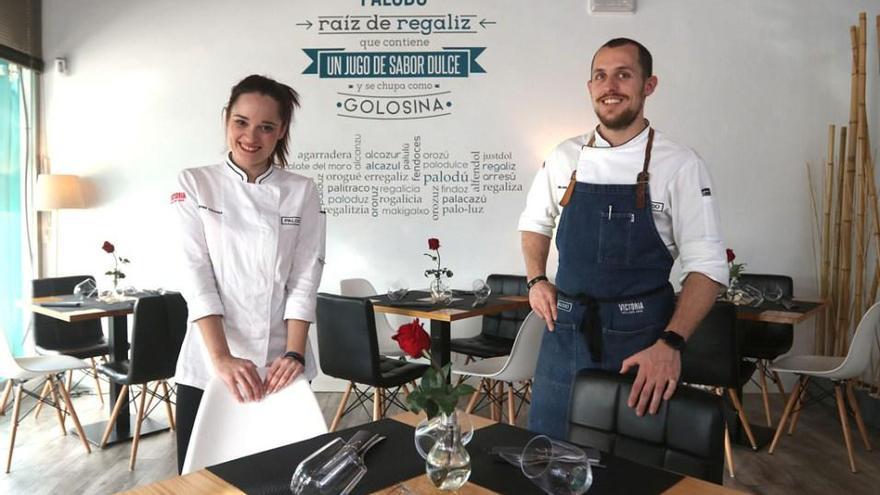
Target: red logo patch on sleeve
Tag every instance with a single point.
(178, 196)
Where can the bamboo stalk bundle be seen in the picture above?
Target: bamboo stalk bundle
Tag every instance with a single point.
(824, 347)
(824, 277)
(815, 227)
(875, 210)
(843, 299)
(861, 192)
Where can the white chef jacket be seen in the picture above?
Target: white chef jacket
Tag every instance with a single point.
(682, 198)
(252, 253)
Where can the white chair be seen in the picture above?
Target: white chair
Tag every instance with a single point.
(841, 371)
(18, 371)
(517, 367)
(361, 287)
(225, 429)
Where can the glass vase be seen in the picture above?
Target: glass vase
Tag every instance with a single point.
(448, 464)
(440, 292)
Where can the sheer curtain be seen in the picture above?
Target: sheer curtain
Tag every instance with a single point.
(14, 144)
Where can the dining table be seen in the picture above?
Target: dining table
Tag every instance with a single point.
(418, 304)
(116, 313)
(394, 467)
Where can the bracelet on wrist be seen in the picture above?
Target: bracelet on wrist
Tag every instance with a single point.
(296, 356)
(531, 283)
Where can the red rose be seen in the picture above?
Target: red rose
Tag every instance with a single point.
(108, 247)
(433, 244)
(413, 338)
(730, 255)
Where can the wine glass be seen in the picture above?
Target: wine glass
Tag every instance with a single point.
(556, 467)
(397, 290)
(85, 289)
(481, 291)
(773, 293)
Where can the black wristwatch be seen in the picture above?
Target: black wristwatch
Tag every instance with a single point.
(297, 356)
(673, 340)
(531, 283)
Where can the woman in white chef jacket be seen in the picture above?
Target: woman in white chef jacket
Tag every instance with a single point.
(252, 240)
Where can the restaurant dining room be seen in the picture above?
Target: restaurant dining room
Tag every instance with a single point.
(423, 247)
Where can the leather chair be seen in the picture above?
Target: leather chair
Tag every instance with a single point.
(713, 358)
(361, 287)
(160, 324)
(499, 330)
(764, 342)
(81, 339)
(348, 349)
(686, 435)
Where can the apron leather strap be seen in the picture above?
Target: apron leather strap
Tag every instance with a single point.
(570, 189)
(644, 176)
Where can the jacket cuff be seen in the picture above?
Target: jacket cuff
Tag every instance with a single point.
(204, 305)
(300, 308)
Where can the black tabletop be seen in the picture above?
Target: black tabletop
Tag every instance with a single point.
(420, 299)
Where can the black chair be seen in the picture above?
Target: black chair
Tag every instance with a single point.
(81, 339)
(764, 342)
(499, 330)
(713, 358)
(686, 435)
(160, 324)
(348, 349)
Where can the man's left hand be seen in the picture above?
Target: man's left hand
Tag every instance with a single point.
(281, 373)
(659, 369)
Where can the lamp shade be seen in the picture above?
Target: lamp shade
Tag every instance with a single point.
(55, 192)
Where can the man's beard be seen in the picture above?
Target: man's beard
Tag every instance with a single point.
(621, 121)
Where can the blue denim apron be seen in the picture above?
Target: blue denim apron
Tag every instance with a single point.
(614, 296)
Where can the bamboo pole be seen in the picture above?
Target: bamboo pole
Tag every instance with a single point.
(824, 347)
(815, 227)
(843, 300)
(875, 210)
(824, 282)
(861, 148)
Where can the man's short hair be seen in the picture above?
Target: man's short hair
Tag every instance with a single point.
(646, 61)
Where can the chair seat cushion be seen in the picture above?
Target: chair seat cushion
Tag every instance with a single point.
(807, 365)
(97, 348)
(396, 372)
(116, 371)
(482, 346)
(42, 365)
(746, 370)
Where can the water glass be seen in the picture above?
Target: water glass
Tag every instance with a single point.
(397, 290)
(85, 289)
(773, 293)
(481, 291)
(555, 467)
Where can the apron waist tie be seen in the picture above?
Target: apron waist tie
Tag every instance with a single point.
(591, 325)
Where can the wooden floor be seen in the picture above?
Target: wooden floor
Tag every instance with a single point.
(813, 461)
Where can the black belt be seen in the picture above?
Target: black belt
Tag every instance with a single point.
(591, 325)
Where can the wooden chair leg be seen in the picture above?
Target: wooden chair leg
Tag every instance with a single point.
(58, 413)
(75, 418)
(5, 399)
(97, 381)
(151, 396)
(800, 405)
(341, 407)
(495, 401)
(511, 411)
(778, 382)
(742, 417)
(137, 426)
(785, 413)
(43, 394)
(13, 423)
(728, 452)
(166, 396)
(474, 397)
(405, 389)
(120, 401)
(69, 379)
(377, 404)
(764, 395)
(844, 423)
(851, 397)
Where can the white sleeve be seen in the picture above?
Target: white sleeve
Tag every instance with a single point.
(541, 209)
(200, 286)
(696, 222)
(308, 261)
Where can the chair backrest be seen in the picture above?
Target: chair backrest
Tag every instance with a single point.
(361, 287)
(160, 324)
(347, 344)
(225, 429)
(686, 435)
(712, 356)
(9, 367)
(523, 358)
(506, 324)
(761, 339)
(865, 339)
(51, 333)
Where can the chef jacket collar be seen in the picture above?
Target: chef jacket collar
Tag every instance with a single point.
(641, 137)
(237, 172)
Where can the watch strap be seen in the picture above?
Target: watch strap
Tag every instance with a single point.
(296, 356)
(531, 283)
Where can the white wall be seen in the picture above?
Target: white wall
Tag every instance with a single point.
(751, 85)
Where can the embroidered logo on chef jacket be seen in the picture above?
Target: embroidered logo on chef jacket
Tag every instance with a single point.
(178, 197)
(295, 221)
(631, 308)
(563, 306)
(706, 191)
(656, 206)
(212, 210)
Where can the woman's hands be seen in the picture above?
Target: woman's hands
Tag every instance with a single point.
(241, 377)
(282, 372)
